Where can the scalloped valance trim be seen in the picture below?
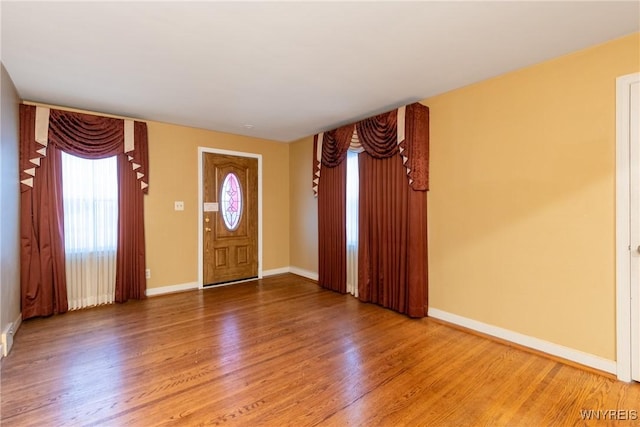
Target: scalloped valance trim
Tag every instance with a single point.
(65, 127)
(397, 131)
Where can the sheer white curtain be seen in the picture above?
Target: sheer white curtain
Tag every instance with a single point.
(90, 195)
(352, 222)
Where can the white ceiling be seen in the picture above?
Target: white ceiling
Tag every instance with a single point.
(290, 69)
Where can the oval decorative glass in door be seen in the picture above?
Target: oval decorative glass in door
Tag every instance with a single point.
(231, 201)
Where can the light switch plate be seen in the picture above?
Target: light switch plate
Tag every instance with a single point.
(179, 205)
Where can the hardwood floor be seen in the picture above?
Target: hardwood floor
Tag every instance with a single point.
(282, 351)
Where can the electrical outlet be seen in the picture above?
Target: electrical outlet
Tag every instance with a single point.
(147, 273)
(179, 205)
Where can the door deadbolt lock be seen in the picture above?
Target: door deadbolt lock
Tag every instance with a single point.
(207, 219)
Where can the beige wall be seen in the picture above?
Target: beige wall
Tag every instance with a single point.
(521, 207)
(304, 208)
(9, 202)
(172, 236)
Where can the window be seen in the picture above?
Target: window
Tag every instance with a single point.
(353, 191)
(90, 199)
(352, 199)
(90, 191)
(231, 201)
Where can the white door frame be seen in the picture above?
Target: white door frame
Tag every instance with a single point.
(624, 242)
(201, 152)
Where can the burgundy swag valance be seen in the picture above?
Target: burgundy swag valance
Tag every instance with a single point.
(83, 135)
(44, 134)
(392, 230)
(404, 130)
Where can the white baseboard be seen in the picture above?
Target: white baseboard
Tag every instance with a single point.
(304, 273)
(17, 322)
(295, 270)
(194, 285)
(171, 289)
(8, 334)
(567, 353)
(274, 271)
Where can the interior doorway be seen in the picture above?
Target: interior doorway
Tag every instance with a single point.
(628, 227)
(229, 217)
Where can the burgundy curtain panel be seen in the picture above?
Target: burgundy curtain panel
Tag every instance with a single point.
(332, 249)
(392, 246)
(42, 268)
(130, 259)
(44, 133)
(332, 195)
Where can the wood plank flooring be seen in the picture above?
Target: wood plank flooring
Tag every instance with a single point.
(283, 352)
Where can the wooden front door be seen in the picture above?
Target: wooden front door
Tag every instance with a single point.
(230, 218)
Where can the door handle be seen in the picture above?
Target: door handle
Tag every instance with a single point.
(207, 229)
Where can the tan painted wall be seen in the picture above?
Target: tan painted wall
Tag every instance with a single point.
(172, 237)
(521, 207)
(9, 202)
(304, 208)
